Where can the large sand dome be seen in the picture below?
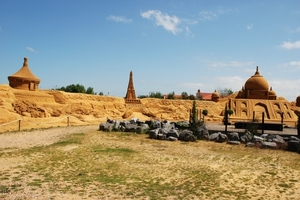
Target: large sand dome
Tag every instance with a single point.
(257, 82)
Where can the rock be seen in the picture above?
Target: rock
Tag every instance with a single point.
(167, 125)
(247, 137)
(269, 145)
(202, 133)
(234, 142)
(129, 127)
(156, 124)
(250, 144)
(213, 136)
(153, 133)
(222, 138)
(106, 126)
(233, 136)
(173, 133)
(293, 145)
(187, 136)
(170, 138)
(161, 136)
(256, 139)
(294, 138)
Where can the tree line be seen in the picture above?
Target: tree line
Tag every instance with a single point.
(78, 88)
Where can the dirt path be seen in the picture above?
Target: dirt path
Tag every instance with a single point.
(40, 137)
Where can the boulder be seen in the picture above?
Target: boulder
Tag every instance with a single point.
(153, 133)
(187, 136)
(293, 145)
(222, 138)
(202, 133)
(256, 139)
(173, 133)
(247, 137)
(233, 136)
(129, 127)
(106, 126)
(269, 145)
(213, 136)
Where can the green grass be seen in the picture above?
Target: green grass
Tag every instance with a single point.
(134, 167)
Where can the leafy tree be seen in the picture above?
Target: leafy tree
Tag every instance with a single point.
(229, 111)
(204, 113)
(223, 92)
(171, 95)
(90, 90)
(192, 97)
(142, 96)
(101, 93)
(158, 95)
(184, 95)
(78, 88)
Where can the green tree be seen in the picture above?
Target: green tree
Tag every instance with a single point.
(192, 97)
(171, 95)
(101, 93)
(204, 113)
(90, 90)
(194, 118)
(184, 95)
(158, 95)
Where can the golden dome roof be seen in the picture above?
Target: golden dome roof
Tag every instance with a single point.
(256, 82)
(24, 73)
(272, 92)
(215, 94)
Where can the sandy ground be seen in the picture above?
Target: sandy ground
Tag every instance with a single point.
(205, 152)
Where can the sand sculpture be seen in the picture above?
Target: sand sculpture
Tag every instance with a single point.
(256, 98)
(130, 95)
(257, 87)
(215, 96)
(24, 79)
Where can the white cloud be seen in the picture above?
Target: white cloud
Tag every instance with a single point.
(291, 45)
(249, 26)
(295, 64)
(211, 15)
(207, 15)
(170, 23)
(222, 64)
(119, 19)
(289, 89)
(31, 49)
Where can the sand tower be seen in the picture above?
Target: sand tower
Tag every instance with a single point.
(24, 79)
(130, 95)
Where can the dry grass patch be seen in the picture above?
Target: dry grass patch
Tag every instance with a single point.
(98, 164)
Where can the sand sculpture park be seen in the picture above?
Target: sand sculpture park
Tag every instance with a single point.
(51, 148)
(23, 106)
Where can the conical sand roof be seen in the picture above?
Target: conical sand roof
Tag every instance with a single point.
(25, 73)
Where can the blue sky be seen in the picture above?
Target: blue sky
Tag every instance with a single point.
(179, 45)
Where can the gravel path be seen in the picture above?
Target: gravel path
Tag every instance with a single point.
(40, 137)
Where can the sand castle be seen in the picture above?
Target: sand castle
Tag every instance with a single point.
(256, 98)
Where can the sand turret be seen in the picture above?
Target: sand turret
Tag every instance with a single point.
(24, 79)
